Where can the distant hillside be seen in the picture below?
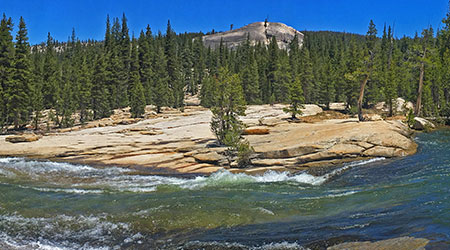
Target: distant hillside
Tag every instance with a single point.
(258, 32)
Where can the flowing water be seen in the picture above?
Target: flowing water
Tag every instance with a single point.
(47, 205)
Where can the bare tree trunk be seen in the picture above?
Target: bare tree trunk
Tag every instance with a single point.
(390, 102)
(361, 97)
(419, 94)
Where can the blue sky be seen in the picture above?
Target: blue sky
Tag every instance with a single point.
(88, 16)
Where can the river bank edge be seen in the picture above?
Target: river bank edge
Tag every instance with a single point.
(181, 143)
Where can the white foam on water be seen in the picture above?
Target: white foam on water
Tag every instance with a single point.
(354, 226)
(265, 211)
(82, 179)
(64, 229)
(279, 245)
(68, 190)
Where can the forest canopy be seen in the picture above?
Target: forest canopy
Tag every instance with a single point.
(93, 78)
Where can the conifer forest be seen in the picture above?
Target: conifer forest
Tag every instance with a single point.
(93, 78)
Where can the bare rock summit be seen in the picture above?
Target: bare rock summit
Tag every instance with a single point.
(258, 32)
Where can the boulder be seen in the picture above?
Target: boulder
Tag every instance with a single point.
(409, 105)
(211, 157)
(421, 124)
(402, 106)
(311, 109)
(256, 131)
(380, 106)
(338, 106)
(372, 117)
(23, 138)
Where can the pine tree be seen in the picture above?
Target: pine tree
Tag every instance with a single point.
(173, 68)
(371, 38)
(352, 64)
(423, 57)
(137, 98)
(85, 89)
(108, 38)
(37, 100)
(249, 75)
(18, 100)
(229, 104)
(326, 82)
(161, 89)
(444, 51)
(145, 63)
(124, 64)
(187, 66)
(50, 88)
(112, 65)
(393, 59)
(65, 107)
(199, 62)
(6, 65)
(282, 78)
(296, 98)
(273, 65)
(100, 93)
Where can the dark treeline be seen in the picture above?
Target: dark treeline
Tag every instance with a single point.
(94, 77)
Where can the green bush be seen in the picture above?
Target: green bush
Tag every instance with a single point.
(410, 118)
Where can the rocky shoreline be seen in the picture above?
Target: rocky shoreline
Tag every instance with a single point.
(177, 142)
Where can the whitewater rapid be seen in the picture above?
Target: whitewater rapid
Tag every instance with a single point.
(83, 179)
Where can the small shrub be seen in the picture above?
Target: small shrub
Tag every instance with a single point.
(410, 118)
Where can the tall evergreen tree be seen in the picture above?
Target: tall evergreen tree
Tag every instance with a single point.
(174, 68)
(273, 65)
(18, 100)
(187, 67)
(249, 75)
(85, 89)
(306, 74)
(124, 50)
(199, 62)
(100, 93)
(296, 98)
(229, 104)
(37, 100)
(145, 63)
(137, 97)
(371, 38)
(50, 88)
(161, 89)
(6, 65)
(282, 78)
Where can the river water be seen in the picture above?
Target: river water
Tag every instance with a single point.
(48, 205)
